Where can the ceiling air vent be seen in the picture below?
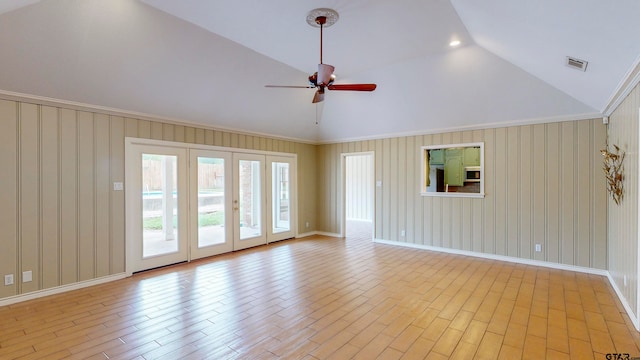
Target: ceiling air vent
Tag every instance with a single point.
(577, 63)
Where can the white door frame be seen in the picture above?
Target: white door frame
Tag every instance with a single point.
(261, 239)
(197, 252)
(134, 256)
(130, 195)
(293, 204)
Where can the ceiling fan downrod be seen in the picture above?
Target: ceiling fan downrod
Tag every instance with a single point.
(321, 20)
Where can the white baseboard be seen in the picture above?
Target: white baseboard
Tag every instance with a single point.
(329, 234)
(498, 257)
(312, 233)
(60, 289)
(625, 303)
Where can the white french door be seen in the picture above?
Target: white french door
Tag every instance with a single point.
(249, 201)
(188, 203)
(210, 206)
(157, 197)
(282, 217)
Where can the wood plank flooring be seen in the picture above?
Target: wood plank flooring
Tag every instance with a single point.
(328, 298)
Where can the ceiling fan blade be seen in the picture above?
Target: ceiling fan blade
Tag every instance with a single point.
(319, 96)
(324, 73)
(290, 86)
(352, 87)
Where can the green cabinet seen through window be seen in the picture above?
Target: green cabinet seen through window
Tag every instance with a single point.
(436, 157)
(453, 167)
(472, 156)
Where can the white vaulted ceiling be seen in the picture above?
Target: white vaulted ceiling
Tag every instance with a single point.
(206, 61)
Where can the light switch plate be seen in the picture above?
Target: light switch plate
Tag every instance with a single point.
(118, 186)
(27, 276)
(8, 279)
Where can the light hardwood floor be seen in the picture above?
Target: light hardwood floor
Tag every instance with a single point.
(328, 298)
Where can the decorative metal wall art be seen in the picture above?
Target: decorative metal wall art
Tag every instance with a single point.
(614, 172)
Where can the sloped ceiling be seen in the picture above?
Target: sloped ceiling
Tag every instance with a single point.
(206, 62)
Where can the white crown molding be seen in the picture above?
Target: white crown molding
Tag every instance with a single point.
(534, 121)
(624, 88)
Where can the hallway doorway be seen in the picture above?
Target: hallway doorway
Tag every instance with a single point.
(358, 201)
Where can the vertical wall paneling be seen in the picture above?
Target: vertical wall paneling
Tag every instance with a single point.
(536, 178)
(477, 218)
(525, 195)
(379, 189)
(86, 196)
(568, 183)
(623, 232)
(411, 186)
(234, 141)
(9, 193)
(60, 215)
(179, 133)
(199, 136)
(102, 168)
(553, 191)
(583, 194)
(156, 130)
(394, 182)
(29, 205)
(598, 249)
(539, 209)
(68, 196)
(168, 132)
(116, 158)
(50, 197)
(512, 191)
(144, 129)
(503, 178)
(209, 137)
(130, 127)
(418, 225)
(226, 140)
(401, 226)
(335, 192)
(189, 135)
(489, 240)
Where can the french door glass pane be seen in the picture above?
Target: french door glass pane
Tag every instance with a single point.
(250, 204)
(211, 192)
(281, 189)
(159, 205)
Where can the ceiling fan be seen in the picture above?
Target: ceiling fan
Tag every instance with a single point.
(324, 77)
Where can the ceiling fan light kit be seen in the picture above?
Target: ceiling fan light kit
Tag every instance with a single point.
(324, 77)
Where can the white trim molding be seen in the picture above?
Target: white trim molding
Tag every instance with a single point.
(60, 289)
(497, 257)
(634, 319)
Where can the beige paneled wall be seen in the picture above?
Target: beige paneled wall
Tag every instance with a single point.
(60, 217)
(544, 184)
(623, 218)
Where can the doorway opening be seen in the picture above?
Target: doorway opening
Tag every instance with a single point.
(358, 201)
